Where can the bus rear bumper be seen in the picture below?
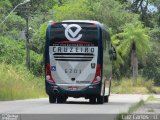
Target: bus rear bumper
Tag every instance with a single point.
(90, 90)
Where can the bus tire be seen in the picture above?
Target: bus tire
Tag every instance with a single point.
(52, 99)
(61, 99)
(92, 100)
(100, 99)
(64, 98)
(106, 99)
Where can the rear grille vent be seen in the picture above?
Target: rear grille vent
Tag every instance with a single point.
(80, 57)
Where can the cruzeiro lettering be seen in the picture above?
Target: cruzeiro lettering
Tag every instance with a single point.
(61, 49)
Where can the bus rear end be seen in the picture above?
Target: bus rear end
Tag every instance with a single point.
(72, 63)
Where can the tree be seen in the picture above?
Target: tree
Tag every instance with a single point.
(152, 68)
(112, 13)
(134, 42)
(5, 7)
(75, 10)
(37, 44)
(12, 26)
(157, 14)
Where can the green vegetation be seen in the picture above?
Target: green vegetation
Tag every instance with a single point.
(134, 43)
(151, 110)
(135, 107)
(151, 98)
(135, 32)
(127, 86)
(19, 83)
(16, 81)
(132, 109)
(14, 52)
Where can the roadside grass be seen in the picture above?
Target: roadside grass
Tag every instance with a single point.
(157, 89)
(151, 110)
(151, 98)
(132, 109)
(19, 83)
(135, 107)
(129, 86)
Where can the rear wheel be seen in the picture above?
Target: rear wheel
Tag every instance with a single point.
(92, 100)
(64, 98)
(100, 99)
(61, 99)
(106, 98)
(52, 99)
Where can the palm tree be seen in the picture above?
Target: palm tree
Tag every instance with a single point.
(134, 42)
(116, 43)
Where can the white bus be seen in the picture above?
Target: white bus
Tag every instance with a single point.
(78, 61)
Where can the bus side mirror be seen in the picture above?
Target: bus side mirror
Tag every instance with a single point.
(113, 55)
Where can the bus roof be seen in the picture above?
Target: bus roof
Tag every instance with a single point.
(87, 21)
(82, 21)
(103, 26)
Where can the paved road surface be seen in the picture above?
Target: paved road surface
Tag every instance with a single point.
(117, 104)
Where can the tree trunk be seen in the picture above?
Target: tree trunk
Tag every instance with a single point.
(134, 65)
(27, 45)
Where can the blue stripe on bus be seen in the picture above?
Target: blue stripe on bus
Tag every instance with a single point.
(98, 43)
(47, 44)
(99, 46)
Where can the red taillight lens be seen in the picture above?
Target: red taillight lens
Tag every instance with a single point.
(98, 70)
(94, 24)
(97, 77)
(53, 23)
(48, 74)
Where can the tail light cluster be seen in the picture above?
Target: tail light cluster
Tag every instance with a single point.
(97, 77)
(48, 74)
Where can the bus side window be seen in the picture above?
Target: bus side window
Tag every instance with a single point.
(110, 48)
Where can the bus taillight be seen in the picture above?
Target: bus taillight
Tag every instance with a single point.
(94, 24)
(97, 77)
(48, 74)
(53, 23)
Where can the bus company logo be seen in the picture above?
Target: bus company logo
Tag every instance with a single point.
(73, 35)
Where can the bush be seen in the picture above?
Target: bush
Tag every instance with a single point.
(152, 67)
(36, 63)
(14, 52)
(131, 86)
(18, 83)
(11, 51)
